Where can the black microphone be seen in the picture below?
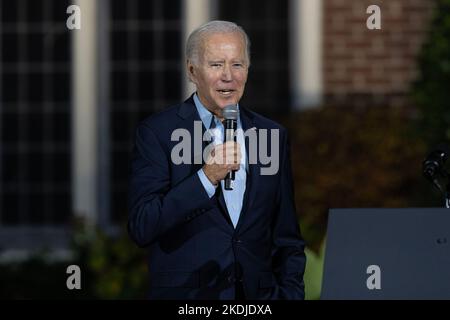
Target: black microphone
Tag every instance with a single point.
(230, 115)
(433, 165)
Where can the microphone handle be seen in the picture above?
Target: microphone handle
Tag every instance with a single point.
(230, 128)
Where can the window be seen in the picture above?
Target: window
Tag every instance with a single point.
(146, 69)
(35, 97)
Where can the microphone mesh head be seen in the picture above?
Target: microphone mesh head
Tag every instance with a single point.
(230, 112)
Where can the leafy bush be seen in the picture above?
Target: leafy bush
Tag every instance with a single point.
(432, 87)
(111, 266)
(116, 267)
(353, 157)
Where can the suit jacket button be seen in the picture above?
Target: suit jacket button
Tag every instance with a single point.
(231, 279)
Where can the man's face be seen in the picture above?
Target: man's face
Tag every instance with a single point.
(222, 70)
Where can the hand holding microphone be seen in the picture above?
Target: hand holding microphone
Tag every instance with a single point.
(225, 158)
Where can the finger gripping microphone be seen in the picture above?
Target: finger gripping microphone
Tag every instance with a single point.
(230, 115)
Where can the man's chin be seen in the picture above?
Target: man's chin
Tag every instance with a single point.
(226, 102)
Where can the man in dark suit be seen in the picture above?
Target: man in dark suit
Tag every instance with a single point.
(206, 242)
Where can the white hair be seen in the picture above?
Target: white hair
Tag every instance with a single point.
(194, 43)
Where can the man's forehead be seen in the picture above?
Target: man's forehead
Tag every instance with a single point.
(223, 37)
(223, 44)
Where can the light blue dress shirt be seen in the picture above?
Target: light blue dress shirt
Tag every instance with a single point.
(233, 198)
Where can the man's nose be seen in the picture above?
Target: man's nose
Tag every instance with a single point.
(226, 74)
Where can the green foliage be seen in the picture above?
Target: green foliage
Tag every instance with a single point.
(112, 267)
(431, 91)
(314, 272)
(353, 157)
(116, 267)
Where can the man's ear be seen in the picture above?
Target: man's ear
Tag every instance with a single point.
(191, 71)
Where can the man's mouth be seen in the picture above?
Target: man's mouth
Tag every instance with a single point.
(226, 92)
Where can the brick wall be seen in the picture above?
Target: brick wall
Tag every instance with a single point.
(372, 67)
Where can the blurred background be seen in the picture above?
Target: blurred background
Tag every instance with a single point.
(363, 108)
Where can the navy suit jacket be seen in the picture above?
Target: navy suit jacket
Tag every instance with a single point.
(194, 252)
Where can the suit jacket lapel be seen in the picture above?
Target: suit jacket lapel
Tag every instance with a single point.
(189, 116)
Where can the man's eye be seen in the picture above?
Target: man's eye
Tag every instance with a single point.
(215, 65)
(238, 65)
